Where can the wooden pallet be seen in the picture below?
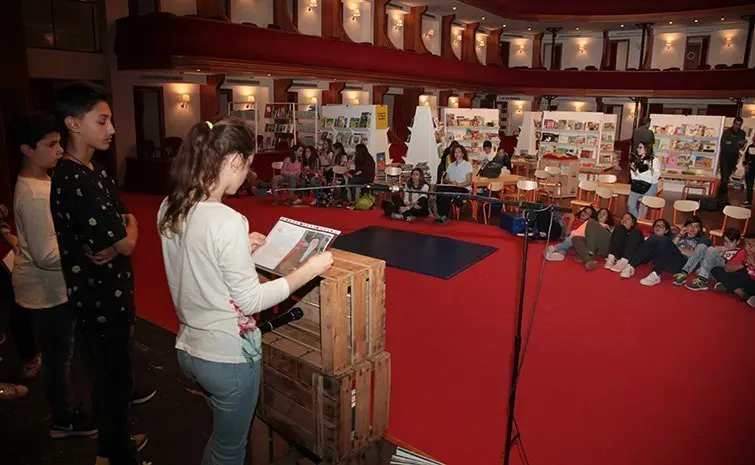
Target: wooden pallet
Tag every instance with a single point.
(332, 416)
(344, 313)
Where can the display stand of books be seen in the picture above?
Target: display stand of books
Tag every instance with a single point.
(307, 124)
(246, 111)
(357, 124)
(607, 139)
(326, 377)
(571, 134)
(280, 124)
(471, 127)
(529, 133)
(687, 144)
(425, 143)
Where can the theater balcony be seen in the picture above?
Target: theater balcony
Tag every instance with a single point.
(198, 44)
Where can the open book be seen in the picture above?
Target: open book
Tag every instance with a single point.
(290, 244)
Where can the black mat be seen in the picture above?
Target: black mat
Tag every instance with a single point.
(436, 256)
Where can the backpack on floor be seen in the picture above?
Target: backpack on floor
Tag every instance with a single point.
(366, 202)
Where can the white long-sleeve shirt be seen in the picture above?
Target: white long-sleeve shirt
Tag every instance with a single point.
(38, 281)
(651, 175)
(210, 270)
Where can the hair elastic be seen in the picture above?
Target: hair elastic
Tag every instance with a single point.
(209, 125)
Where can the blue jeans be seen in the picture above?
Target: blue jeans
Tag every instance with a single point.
(634, 200)
(696, 258)
(232, 390)
(564, 246)
(712, 258)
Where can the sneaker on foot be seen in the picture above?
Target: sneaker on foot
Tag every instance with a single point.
(698, 284)
(719, 287)
(680, 279)
(555, 257)
(550, 249)
(410, 219)
(313, 203)
(30, 368)
(141, 396)
(397, 216)
(651, 280)
(751, 302)
(443, 220)
(80, 425)
(627, 272)
(746, 204)
(610, 262)
(620, 265)
(10, 391)
(296, 202)
(591, 264)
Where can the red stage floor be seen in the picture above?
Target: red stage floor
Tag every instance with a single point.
(615, 373)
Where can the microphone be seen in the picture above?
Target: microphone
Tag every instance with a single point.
(292, 315)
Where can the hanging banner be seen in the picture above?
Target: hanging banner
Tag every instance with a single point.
(381, 117)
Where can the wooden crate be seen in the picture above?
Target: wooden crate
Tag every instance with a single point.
(344, 313)
(332, 416)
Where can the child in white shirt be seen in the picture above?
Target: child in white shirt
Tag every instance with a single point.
(212, 279)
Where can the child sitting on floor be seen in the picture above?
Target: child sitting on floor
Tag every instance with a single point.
(738, 276)
(667, 252)
(709, 258)
(595, 241)
(577, 226)
(625, 240)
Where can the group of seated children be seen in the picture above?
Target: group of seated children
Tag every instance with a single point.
(308, 168)
(593, 235)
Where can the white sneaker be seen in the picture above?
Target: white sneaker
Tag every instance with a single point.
(651, 280)
(620, 265)
(555, 257)
(627, 272)
(296, 202)
(549, 250)
(397, 216)
(610, 261)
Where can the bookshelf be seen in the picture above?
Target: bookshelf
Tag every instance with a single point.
(357, 124)
(688, 144)
(280, 124)
(571, 134)
(425, 144)
(607, 139)
(471, 127)
(246, 111)
(529, 133)
(307, 124)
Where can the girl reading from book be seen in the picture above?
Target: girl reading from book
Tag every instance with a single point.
(645, 172)
(412, 205)
(211, 276)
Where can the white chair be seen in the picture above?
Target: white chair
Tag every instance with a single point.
(684, 206)
(393, 176)
(607, 178)
(488, 206)
(585, 195)
(655, 206)
(735, 213)
(277, 166)
(526, 189)
(604, 193)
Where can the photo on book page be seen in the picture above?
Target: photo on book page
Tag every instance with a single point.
(291, 243)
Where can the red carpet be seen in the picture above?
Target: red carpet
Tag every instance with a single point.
(615, 373)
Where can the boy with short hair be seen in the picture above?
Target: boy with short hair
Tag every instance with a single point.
(711, 257)
(738, 275)
(39, 287)
(96, 235)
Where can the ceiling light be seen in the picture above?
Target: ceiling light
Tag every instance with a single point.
(671, 22)
(722, 19)
(621, 25)
(696, 21)
(529, 28)
(504, 25)
(268, 74)
(454, 8)
(578, 29)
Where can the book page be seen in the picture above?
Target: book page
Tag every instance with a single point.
(290, 244)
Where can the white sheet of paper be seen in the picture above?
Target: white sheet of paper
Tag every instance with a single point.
(280, 241)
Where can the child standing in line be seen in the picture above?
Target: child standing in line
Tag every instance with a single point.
(212, 279)
(738, 275)
(710, 258)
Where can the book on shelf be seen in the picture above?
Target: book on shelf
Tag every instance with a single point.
(609, 126)
(586, 153)
(340, 122)
(354, 123)
(329, 122)
(365, 119)
(703, 162)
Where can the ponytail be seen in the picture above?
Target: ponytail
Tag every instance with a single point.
(195, 169)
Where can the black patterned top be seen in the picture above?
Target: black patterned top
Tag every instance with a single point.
(86, 209)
